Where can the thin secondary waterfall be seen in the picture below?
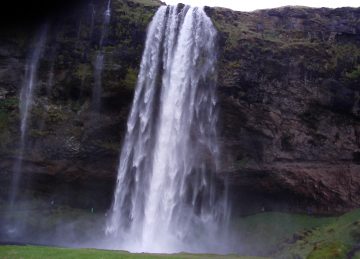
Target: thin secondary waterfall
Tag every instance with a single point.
(166, 199)
(92, 18)
(26, 102)
(99, 61)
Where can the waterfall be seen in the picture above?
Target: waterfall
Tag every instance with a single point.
(92, 22)
(99, 61)
(166, 199)
(26, 102)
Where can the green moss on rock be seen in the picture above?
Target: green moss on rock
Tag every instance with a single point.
(130, 78)
(83, 71)
(334, 250)
(354, 74)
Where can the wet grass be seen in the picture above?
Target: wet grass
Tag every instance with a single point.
(336, 239)
(35, 252)
(263, 232)
(283, 235)
(274, 234)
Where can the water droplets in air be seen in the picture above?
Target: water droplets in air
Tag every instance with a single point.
(15, 226)
(166, 199)
(26, 103)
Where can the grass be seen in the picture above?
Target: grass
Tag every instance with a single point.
(275, 234)
(284, 235)
(35, 252)
(329, 250)
(333, 239)
(264, 231)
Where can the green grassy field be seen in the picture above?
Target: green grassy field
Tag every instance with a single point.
(284, 235)
(37, 252)
(262, 233)
(335, 239)
(274, 234)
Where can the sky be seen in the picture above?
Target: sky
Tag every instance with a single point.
(251, 5)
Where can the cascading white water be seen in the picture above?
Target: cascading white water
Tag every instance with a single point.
(99, 61)
(165, 198)
(26, 102)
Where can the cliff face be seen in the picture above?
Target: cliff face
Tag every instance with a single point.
(72, 150)
(288, 100)
(290, 111)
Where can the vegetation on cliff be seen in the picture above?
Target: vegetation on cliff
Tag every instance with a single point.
(65, 134)
(289, 103)
(289, 97)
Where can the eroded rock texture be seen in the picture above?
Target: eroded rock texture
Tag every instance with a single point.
(72, 150)
(290, 111)
(289, 106)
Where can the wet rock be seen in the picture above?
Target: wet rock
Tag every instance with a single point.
(289, 126)
(288, 93)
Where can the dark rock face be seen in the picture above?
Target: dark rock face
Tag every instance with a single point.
(289, 97)
(289, 106)
(72, 150)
